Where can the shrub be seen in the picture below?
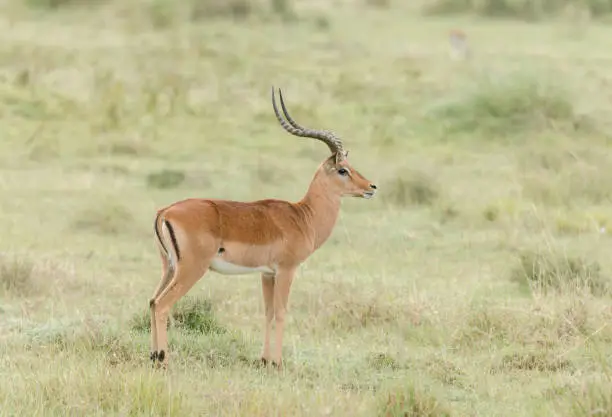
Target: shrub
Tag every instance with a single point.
(189, 314)
(164, 13)
(517, 9)
(166, 178)
(196, 315)
(508, 105)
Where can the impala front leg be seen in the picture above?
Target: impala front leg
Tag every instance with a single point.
(282, 287)
(267, 285)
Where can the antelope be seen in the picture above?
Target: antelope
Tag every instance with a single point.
(460, 48)
(270, 237)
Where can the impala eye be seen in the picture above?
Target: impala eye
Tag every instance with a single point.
(343, 171)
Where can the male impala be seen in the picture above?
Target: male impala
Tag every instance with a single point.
(272, 237)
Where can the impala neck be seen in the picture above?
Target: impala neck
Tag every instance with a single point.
(322, 208)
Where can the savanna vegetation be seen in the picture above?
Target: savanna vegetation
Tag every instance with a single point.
(478, 282)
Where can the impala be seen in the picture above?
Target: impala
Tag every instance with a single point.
(271, 237)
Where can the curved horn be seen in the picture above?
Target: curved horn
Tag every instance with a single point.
(332, 141)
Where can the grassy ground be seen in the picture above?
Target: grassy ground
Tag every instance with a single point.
(477, 283)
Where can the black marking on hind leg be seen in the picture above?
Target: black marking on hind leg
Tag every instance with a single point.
(173, 239)
(221, 250)
(151, 302)
(161, 355)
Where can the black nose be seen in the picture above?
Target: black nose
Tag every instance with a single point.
(372, 186)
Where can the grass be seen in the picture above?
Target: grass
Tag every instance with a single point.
(477, 282)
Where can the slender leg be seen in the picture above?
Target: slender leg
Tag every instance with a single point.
(282, 287)
(166, 275)
(267, 285)
(186, 275)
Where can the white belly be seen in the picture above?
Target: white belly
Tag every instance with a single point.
(226, 268)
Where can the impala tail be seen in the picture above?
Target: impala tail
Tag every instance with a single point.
(164, 232)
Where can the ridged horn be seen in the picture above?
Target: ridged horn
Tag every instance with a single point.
(332, 141)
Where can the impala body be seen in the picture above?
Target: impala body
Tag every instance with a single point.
(270, 237)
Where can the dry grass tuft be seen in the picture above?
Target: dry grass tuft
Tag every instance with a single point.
(446, 371)
(533, 361)
(22, 276)
(16, 277)
(414, 402)
(381, 361)
(545, 272)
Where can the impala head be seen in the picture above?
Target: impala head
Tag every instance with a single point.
(339, 175)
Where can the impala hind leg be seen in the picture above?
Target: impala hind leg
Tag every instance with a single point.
(267, 285)
(167, 273)
(185, 276)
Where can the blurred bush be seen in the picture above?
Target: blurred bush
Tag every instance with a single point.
(516, 102)
(520, 9)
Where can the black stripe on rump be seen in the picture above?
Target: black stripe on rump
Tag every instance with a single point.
(173, 239)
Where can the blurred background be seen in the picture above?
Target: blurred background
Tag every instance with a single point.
(477, 282)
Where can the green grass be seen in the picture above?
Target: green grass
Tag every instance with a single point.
(476, 283)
